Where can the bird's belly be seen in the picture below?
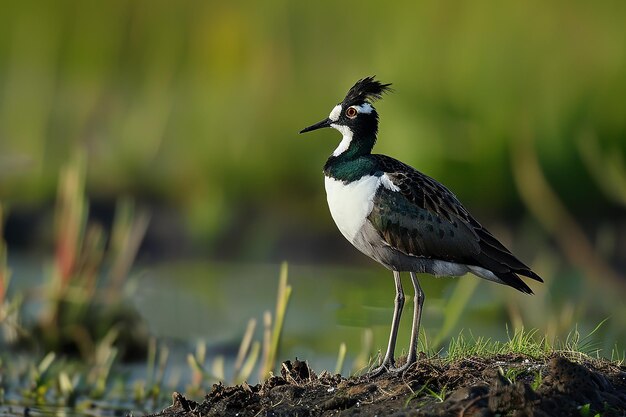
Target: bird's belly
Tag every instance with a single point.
(351, 203)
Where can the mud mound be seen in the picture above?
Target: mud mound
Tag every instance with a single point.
(497, 386)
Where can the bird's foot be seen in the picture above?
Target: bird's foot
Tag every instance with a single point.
(390, 367)
(386, 366)
(405, 367)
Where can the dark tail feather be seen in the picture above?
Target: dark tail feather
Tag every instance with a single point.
(530, 274)
(504, 262)
(511, 279)
(495, 257)
(506, 267)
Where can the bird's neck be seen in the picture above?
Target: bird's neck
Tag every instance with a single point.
(351, 161)
(353, 146)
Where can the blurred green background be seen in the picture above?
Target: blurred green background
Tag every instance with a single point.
(193, 107)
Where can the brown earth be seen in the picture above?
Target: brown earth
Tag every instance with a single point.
(566, 385)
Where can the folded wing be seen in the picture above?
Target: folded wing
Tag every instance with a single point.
(422, 218)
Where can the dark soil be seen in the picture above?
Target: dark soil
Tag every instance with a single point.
(565, 385)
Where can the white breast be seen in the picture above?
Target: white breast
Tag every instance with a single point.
(350, 204)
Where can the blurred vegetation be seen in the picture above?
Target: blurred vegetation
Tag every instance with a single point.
(197, 107)
(84, 295)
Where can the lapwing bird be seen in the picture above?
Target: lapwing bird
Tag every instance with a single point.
(402, 218)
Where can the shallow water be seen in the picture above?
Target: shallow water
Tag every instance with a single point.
(101, 409)
(328, 306)
(187, 302)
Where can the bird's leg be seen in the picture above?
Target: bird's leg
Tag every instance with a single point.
(398, 304)
(418, 302)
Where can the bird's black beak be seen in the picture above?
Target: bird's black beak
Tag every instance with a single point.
(323, 123)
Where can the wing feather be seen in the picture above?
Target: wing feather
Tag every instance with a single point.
(425, 219)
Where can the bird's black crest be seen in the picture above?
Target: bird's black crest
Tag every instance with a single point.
(366, 89)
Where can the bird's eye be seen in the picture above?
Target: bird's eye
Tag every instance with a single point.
(351, 112)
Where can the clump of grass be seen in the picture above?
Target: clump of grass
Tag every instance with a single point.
(618, 356)
(151, 387)
(528, 343)
(84, 309)
(54, 380)
(537, 380)
(9, 307)
(272, 334)
(439, 395)
(81, 301)
(84, 285)
(521, 342)
(249, 355)
(341, 357)
(363, 359)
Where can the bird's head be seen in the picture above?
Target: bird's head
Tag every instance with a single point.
(355, 116)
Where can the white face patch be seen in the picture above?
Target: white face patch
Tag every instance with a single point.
(351, 203)
(365, 108)
(335, 113)
(345, 142)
